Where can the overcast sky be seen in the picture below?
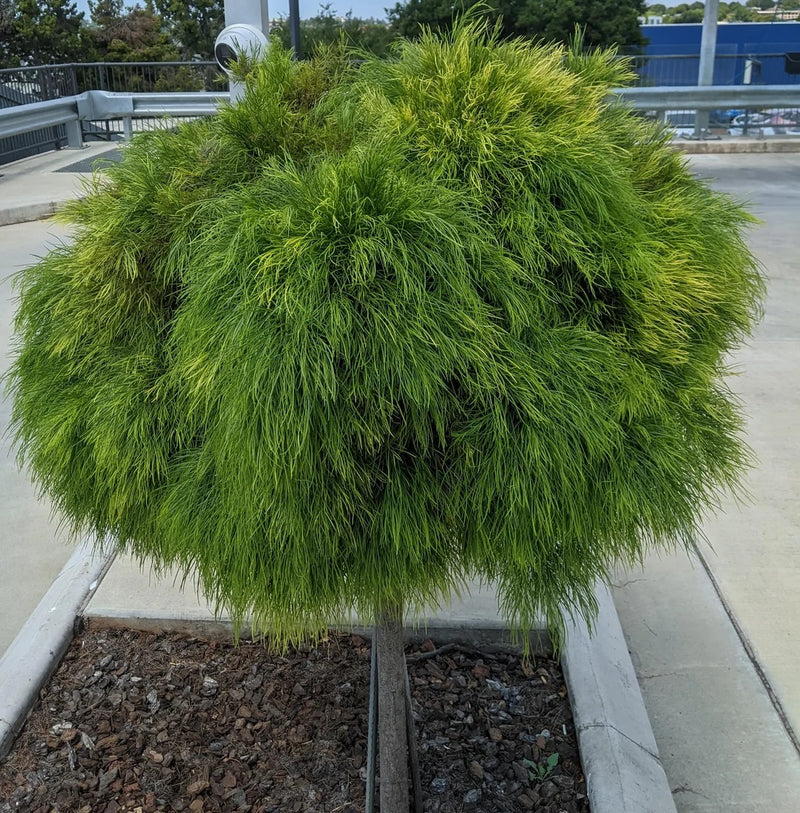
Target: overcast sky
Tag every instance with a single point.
(308, 8)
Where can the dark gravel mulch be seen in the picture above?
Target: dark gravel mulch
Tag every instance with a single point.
(145, 722)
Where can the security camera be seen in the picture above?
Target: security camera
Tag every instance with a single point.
(237, 40)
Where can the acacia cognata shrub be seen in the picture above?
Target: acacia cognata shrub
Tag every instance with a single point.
(372, 332)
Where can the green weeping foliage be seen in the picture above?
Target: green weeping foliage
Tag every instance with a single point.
(375, 331)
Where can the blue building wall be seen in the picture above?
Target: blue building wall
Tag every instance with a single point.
(769, 42)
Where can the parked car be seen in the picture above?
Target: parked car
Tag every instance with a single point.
(767, 122)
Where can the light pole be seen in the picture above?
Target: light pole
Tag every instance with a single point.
(705, 73)
(294, 27)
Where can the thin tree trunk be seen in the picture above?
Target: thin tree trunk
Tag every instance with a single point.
(392, 738)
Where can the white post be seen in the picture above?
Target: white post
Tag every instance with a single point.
(748, 70)
(252, 12)
(74, 135)
(708, 52)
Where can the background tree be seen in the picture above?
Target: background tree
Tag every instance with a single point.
(606, 22)
(326, 28)
(408, 18)
(685, 13)
(369, 333)
(104, 13)
(40, 32)
(736, 13)
(133, 34)
(6, 32)
(193, 24)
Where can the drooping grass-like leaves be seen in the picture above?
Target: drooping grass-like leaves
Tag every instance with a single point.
(371, 332)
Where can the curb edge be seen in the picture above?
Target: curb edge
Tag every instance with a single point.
(618, 750)
(37, 649)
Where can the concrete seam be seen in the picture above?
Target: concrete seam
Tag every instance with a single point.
(749, 651)
(110, 558)
(585, 726)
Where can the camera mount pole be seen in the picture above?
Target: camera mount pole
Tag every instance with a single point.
(252, 12)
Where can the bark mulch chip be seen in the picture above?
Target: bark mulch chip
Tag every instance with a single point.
(143, 722)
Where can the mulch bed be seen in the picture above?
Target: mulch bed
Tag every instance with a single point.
(144, 722)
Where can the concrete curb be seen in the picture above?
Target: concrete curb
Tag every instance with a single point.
(38, 647)
(29, 212)
(745, 145)
(618, 751)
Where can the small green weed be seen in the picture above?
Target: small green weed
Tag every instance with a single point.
(539, 772)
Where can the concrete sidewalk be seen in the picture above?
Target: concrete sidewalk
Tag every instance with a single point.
(716, 650)
(35, 187)
(716, 640)
(32, 549)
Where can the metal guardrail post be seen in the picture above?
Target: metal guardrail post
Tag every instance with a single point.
(127, 128)
(74, 135)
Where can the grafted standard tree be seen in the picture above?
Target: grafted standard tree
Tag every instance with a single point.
(372, 332)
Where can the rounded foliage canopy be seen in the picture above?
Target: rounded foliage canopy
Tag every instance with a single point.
(376, 330)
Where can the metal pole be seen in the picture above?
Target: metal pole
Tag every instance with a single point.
(294, 27)
(708, 53)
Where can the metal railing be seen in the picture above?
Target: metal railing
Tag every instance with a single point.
(729, 69)
(737, 110)
(40, 83)
(98, 105)
(53, 118)
(72, 112)
(711, 97)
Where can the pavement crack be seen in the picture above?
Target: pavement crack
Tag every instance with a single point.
(684, 789)
(620, 585)
(647, 751)
(658, 675)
